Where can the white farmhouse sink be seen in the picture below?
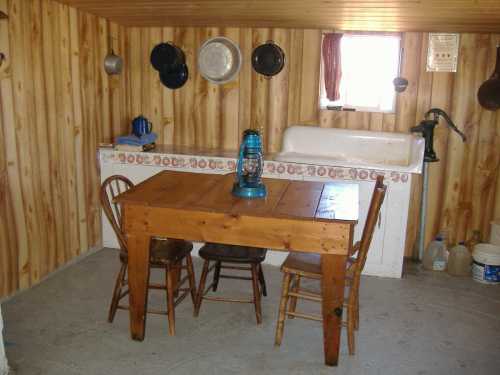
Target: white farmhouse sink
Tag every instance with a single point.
(353, 148)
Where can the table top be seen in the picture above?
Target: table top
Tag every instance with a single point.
(308, 200)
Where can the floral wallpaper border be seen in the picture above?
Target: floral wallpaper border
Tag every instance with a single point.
(226, 165)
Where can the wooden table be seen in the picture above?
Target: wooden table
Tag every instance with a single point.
(295, 216)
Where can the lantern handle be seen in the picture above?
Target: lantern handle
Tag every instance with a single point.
(239, 165)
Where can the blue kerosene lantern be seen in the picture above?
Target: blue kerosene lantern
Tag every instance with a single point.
(249, 169)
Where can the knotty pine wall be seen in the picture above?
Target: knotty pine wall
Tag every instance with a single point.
(464, 185)
(56, 105)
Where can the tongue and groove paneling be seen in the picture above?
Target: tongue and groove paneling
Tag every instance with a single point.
(57, 104)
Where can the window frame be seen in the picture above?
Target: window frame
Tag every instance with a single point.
(322, 91)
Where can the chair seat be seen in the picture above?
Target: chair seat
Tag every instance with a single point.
(232, 253)
(163, 251)
(309, 265)
(305, 264)
(169, 251)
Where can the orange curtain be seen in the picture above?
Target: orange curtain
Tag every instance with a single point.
(332, 66)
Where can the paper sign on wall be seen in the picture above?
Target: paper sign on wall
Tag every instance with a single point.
(442, 55)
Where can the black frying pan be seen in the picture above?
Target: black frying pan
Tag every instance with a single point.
(167, 56)
(489, 92)
(268, 59)
(175, 79)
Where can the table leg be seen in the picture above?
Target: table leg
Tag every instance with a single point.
(138, 277)
(332, 288)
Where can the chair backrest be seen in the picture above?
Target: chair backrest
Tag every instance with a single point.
(110, 188)
(371, 220)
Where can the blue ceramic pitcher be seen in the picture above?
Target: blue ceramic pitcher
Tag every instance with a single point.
(141, 126)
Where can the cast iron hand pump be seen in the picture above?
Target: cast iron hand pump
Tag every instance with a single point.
(426, 127)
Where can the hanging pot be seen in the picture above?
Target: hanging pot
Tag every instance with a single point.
(400, 83)
(174, 79)
(268, 59)
(113, 64)
(219, 60)
(167, 56)
(489, 92)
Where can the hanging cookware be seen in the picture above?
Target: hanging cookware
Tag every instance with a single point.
(174, 79)
(489, 92)
(268, 59)
(219, 60)
(113, 64)
(400, 83)
(167, 56)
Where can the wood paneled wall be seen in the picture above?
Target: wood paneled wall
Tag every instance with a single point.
(464, 186)
(56, 105)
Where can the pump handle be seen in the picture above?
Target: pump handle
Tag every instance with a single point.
(439, 112)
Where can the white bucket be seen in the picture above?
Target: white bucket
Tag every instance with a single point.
(495, 233)
(486, 263)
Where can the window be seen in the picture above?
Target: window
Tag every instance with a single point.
(369, 65)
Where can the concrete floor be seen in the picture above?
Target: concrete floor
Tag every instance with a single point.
(427, 323)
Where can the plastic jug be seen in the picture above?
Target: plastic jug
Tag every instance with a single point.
(436, 255)
(459, 261)
(441, 258)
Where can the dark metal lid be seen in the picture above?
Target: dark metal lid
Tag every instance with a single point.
(268, 59)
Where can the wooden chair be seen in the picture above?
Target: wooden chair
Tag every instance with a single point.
(232, 257)
(302, 265)
(164, 253)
